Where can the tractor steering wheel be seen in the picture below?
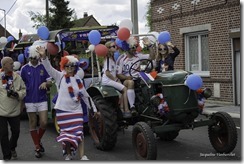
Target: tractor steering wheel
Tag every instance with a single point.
(139, 66)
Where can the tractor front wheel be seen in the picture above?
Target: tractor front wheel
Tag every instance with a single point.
(223, 133)
(144, 142)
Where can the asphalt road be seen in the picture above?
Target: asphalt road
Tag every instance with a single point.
(190, 145)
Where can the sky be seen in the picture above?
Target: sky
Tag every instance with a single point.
(106, 12)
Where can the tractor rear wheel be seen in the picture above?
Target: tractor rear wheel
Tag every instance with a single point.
(103, 128)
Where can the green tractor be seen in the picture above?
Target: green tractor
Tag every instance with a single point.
(181, 112)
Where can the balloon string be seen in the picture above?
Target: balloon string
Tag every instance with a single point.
(188, 97)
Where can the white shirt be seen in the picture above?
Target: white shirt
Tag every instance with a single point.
(109, 64)
(64, 101)
(124, 63)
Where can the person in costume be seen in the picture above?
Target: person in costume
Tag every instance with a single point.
(37, 82)
(68, 106)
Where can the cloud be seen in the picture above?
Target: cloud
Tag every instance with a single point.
(106, 12)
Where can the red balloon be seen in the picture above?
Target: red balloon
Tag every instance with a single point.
(123, 33)
(101, 50)
(52, 48)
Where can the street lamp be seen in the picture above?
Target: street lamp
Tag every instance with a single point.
(4, 22)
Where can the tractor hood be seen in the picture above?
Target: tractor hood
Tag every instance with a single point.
(172, 77)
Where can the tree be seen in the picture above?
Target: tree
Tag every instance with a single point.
(38, 19)
(60, 16)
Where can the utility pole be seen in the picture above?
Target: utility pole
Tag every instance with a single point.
(5, 33)
(47, 13)
(134, 16)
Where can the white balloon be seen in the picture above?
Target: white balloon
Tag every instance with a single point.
(17, 65)
(80, 73)
(3, 39)
(91, 47)
(126, 23)
(153, 38)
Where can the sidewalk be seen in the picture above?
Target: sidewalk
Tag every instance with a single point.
(234, 111)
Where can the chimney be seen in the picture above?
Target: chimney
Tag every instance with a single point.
(85, 14)
(20, 33)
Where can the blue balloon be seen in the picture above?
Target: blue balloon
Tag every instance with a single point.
(26, 52)
(94, 37)
(21, 58)
(84, 63)
(10, 38)
(43, 32)
(194, 82)
(116, 55)
(118, 42)
(164, 37)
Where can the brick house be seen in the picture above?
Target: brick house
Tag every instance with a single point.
(208, 36)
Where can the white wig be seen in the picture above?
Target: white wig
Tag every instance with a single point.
(33, 52)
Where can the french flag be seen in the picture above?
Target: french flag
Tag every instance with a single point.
(148, 76)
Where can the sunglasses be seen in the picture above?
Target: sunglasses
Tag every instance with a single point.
(134, 47)
(160, 49)
(31, 58)
(112, 46)
(69, 66)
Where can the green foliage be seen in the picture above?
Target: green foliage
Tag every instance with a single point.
(60, 16)
(149, 16)
(38, 19)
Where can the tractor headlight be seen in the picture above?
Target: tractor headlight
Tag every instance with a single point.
(207, 93)
(155, 100)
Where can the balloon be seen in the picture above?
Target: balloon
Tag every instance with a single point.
(116, 55)
(52, 48)
(84, 63)
(153, 38)
(101, 50)
(123, 33)
(94, 37)
(3, 40)
(164, 37)
(10, 38)
(59, 47)
(21, 58)
(118, 42)
(42, 43)
(91, 47)
(43, 32)
(17, 65)
(80, 73)
(26, 52)
(126, 23)
(194, 81)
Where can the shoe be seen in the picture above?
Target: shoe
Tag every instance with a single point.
(38, 153)
(133, 111)
(68, 157)
(42, 148)
(14, 154)
(126, 115)
(84, 157)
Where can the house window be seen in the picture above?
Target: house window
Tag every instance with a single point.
(197, 53)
